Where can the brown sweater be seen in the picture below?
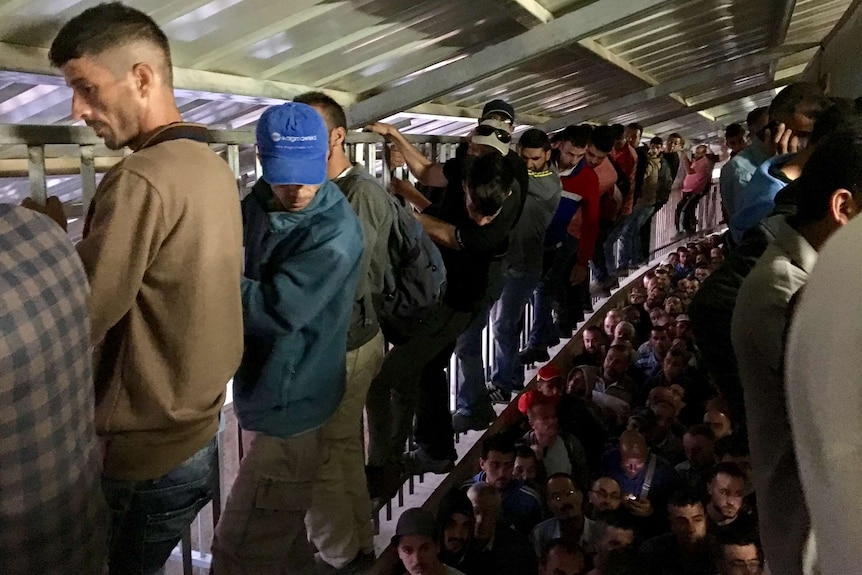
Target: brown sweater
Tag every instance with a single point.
(163, 253)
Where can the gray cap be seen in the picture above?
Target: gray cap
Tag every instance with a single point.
(415, 521)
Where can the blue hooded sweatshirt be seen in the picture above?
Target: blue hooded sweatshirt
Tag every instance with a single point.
(296, 310)
(758, 197)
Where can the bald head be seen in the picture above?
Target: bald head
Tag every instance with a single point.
(486, 502)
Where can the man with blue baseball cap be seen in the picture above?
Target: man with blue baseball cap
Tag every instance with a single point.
(303, 252)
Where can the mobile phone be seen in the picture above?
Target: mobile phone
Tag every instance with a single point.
(631, 497)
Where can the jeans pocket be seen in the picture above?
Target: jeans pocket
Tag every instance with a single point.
(169, 525)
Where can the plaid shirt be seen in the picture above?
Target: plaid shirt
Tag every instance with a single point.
(52, 515)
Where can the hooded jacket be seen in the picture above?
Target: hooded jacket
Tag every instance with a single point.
(297, 310)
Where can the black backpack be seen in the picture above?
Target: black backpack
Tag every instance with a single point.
(415, 280)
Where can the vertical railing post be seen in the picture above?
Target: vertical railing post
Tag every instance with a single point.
(36, 172)
(88, 178)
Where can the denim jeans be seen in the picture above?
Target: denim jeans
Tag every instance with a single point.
(630, 254)
(551, 293)
(611, 264)
(149, 517)
(506, 319)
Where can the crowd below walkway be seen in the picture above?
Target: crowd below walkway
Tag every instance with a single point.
(675, 443)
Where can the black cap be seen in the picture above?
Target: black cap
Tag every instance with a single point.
(415, 521)
(498, 107)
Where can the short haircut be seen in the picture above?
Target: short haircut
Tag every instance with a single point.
(700, 429)
(525, 452)
(499, 443)
(757, 116)
(636, 126)
(835, 164)
(618, 130)
(104, 27)
(602, 137)
(684, 498)
(658, 329)
(615, 519)
(489, 178)
(734, 130)
(656, 141)
(535, 138)
(564, 475)
(578, 136)
(620, 348)
(676, 135)
(788, 100)
(595, 330)
(728, 468)
(838, 112)
(570, 548)
(333, 113)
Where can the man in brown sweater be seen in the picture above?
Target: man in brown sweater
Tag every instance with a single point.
(162, 249)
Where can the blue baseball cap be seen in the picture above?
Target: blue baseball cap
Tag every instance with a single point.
(293, 142)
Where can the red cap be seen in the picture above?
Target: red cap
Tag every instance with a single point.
(548, 372)
(535, 397)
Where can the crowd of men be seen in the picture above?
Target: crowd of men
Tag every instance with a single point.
(633, 458)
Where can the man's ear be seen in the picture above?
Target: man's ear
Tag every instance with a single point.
(842, 206)
(145, 78)
(337, 137)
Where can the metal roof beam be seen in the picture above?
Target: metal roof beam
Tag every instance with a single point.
(33, 60)
(710, 74)
(577, 25)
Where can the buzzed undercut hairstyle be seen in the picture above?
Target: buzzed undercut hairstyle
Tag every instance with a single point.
(333, 113)
(104, 27)
(602, 137)
(499, 443)
(534, 139)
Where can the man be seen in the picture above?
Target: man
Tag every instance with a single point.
(605, 495)
(523, 271)
(297, 314)
(339, 521)
(624, 156)
(565, 501)
(560, 558)
(162, 250)
(611, 532)
(719, 422)
(650, 363)
(567, 251)
(728, 517)
(499, 548)
(471, 227)
(527, 467)
(455, 525)
(593, 337)
(694, 187)
(613, 379)
(829, 199)
(797, 107)
(415, 540)
(521, 506)
(687, 549)
(699, 445)
(560, 453)
(631, 250)
(54, 519)
(741, 557)
(602, 142)
(646, 480)
(734, 138)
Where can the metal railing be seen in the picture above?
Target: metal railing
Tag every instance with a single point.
(53, 152)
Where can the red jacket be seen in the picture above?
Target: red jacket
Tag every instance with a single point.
(585, 223)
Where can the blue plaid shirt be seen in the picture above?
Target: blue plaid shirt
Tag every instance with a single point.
(52, 516)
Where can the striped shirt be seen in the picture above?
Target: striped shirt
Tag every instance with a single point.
(52, 516)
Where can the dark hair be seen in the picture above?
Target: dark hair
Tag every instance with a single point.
(489, 179)
(756, 116)
(455, 501)
(619, 347)
(570, 548)
(700, 429)
(676, 135)
(731, 446)
(576, 135)
(615, 519)
(836, 115)
(618, 130)
(728, 468)
(564, 475)
(658, 328)
(107, 26)
(524, 452)
(535, 138)
(602, 137)
(333, 113)
(657, 141)
(497, 442)
(684, 498)
(734, 130)
(597, 330)
(835, 164)
(636, 126)
(788, 101)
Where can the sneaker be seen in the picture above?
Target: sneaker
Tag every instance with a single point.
(530, 355)
(417, 462)
(498, 395)
(462, 423)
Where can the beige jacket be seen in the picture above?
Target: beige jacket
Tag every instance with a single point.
(163, 252)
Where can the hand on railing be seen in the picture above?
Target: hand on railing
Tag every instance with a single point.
(53, 208)
(385, 130)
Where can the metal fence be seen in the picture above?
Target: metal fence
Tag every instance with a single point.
(72, 159)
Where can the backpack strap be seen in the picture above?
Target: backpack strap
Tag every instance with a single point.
(649, 476)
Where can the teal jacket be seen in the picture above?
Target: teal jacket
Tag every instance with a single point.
(301, 273)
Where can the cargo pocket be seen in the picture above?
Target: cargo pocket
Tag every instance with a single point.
(276, 524)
